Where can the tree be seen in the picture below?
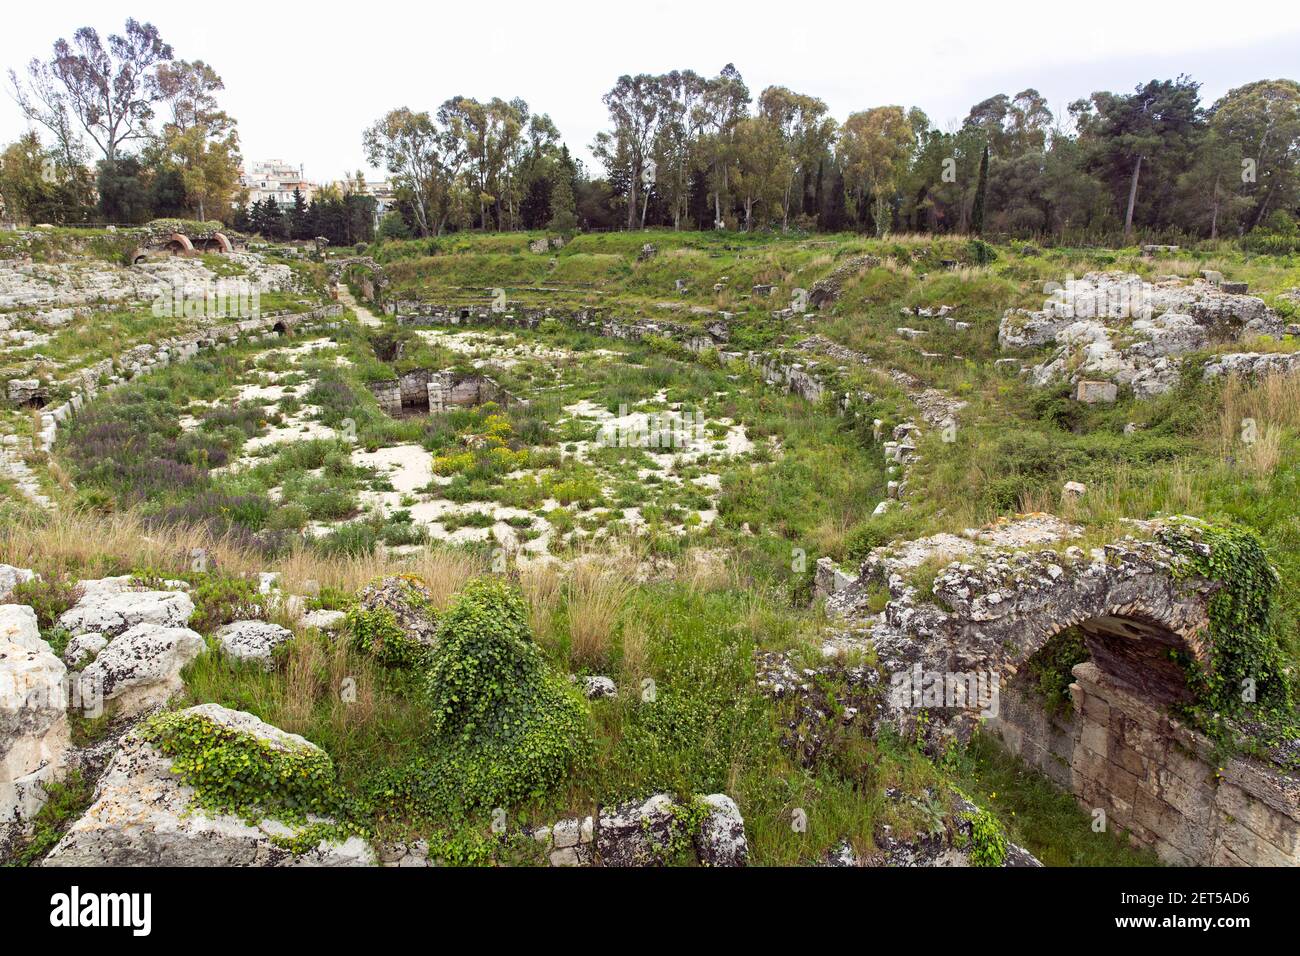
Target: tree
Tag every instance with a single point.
(875, 146)
(296, 216)
(110, 90)
(806, 132)
(1028, 122)
(124, 194)
(1262, 120)
(981, 193)
(268, 219)
(1150, 130)
(1209, 191)
(725, 103)
(634, 108)
(35, 186)
(423, 156)
(393, 226)
(762, 173)
(200, 138)
(677, 139)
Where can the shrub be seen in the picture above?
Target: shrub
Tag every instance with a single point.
(221, 600)
(504, 728)
(49, 597)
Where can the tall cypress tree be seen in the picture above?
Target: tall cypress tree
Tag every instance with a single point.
(981, 185)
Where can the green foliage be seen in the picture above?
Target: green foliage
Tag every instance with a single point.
(375, 632)
(503, 727)
(65, 801)
(220, 600)
(1247, 675)
(1051, 668)
(48, 595)
(237, 773)
(988, 841)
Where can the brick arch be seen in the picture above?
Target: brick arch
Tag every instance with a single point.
(179, 244)
(219, 243)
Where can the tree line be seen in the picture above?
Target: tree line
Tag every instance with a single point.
(135, 133)
(110, 92)
(687, 151)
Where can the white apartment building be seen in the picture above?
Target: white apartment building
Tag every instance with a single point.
(275, 179)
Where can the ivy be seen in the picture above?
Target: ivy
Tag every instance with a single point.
(375, 632)
(236, 773)
(988, 841)
(1246, 676)
(503, 727)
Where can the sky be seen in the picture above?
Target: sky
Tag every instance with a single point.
(304, 80)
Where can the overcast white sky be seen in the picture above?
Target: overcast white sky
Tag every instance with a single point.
(305, 79)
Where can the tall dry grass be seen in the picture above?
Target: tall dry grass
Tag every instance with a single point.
(595, 593)
(93, 545)
(1253, 418)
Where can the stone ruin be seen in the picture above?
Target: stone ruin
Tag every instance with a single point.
(1118, 748)
(1122, 328)
(170, 239)
(428, 392)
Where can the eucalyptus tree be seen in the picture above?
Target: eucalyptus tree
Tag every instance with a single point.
(635, 104)
(110, 90)
(424, 157)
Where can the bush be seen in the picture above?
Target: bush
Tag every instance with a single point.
(48, 597)
(504, 727)
(221, 600)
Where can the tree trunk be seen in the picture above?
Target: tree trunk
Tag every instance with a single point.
(1132, 197)
(1214, 212)
(631, 197)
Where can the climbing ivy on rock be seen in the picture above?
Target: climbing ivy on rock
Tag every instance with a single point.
(503, 727)
(375, 625)
(1246, 676)
(238, 773)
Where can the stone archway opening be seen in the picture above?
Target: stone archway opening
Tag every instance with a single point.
(1138, 654)
(178, 244)
(280, 329)
(1141, 654)
(217, 243)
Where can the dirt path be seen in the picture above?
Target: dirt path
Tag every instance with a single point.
(364, 315)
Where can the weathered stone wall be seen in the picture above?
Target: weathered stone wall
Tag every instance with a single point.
(1153, 776)
(414, 386)
(111, 373)
(388, 395)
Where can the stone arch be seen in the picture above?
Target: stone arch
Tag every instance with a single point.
(1131, 646)
(217, 242)
(372, 283)
(1131, 606)
(179, 244)
(280, 328)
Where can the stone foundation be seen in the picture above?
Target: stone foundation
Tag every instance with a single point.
(1153, 776)
(434, 392)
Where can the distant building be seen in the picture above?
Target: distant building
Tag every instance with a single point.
(275, 179)
(381, 189)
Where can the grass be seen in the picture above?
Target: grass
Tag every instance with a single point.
(675, 611)
(1043, 819)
